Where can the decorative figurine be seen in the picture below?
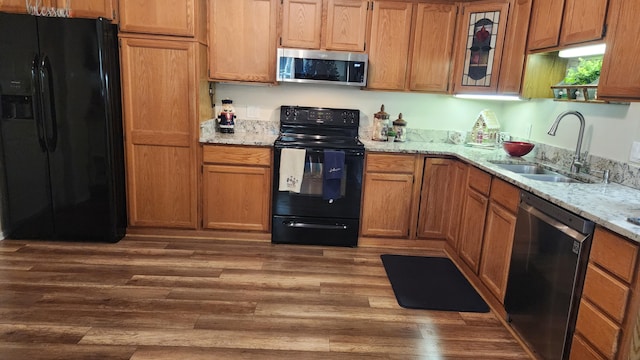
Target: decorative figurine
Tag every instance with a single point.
(227, 116)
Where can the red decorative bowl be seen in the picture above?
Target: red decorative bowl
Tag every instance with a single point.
(517, 148)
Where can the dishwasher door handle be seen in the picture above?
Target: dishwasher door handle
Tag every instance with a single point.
(532, 211)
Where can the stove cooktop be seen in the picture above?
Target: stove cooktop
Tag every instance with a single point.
(302, 126)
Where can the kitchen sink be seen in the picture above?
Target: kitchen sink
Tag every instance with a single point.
(526, 168)
(550, 177)
(537, 172)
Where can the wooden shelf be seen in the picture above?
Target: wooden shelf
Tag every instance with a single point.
(584, 89)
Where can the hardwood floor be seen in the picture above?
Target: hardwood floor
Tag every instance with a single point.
(179, 298)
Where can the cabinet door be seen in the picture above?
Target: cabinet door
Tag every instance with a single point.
(390, 33)
(544, 28)
(459, 183)
(481, 39)
(496, 253)
(346, 25)
(618, 80)
(93, 9)
(435, 201)
(301, 23)
(473, 217)
(13, 6)
(165, 17)
(160, 120)
(598, 329)
(583, 21)
(391, 192)
(512, 70)
(236, 197)
(433, 47)
(242, 40)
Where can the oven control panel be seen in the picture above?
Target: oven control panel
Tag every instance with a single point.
(302, 115)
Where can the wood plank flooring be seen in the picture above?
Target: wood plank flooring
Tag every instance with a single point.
(178, 298)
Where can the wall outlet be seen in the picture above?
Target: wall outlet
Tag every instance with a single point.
(634, 156)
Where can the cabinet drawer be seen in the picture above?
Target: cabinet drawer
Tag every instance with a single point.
(236, 155)
(479, 180)
(606, 292)
(505, 194)
(390, 163)
(598, 330)
(614, 253)
(580, 350)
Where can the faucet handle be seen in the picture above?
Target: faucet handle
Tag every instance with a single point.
(606, 175)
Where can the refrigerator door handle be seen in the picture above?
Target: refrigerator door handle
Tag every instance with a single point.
(46, 86)
(37, 101)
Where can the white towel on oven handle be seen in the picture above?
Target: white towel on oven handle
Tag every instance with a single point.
(291, 169)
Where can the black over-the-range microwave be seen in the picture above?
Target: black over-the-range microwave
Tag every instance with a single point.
(318, 66)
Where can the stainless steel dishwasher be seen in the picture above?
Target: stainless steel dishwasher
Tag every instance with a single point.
(546, 275)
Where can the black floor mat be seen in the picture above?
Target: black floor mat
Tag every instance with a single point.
(431, 283)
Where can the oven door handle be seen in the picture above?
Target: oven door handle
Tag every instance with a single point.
(347, 152)
(296, 224)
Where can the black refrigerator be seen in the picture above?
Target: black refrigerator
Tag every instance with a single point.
(61, 129)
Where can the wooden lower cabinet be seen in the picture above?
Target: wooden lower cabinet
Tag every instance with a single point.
(417, 194)
(498, 237)
(435, 198)
(236, 188)
(388, 197)
(473, 217)
(458, 181)
(161, 186)
(610, 301)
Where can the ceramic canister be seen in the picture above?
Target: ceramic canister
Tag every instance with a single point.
(380, 125)
(400, 127)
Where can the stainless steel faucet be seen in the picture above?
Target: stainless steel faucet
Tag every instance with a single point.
(576, 163)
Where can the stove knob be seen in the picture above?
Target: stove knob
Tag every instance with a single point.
(287, 112)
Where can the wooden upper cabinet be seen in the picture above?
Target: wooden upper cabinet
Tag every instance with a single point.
(243, 40)
(13, 6)
(343, 28)
(479, 46)
(514, 53)
(544, 28)
(82, 9)
(619, 78)
(389, 44)
(346, 25)
(163, 17)
(584, 20)
(433, 46)
(93, 9)
(301, 23)
(557, 23)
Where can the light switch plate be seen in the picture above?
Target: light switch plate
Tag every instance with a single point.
(635, 152)
(253, 112)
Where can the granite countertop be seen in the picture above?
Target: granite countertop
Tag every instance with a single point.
(239, 139)
(607, 205)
